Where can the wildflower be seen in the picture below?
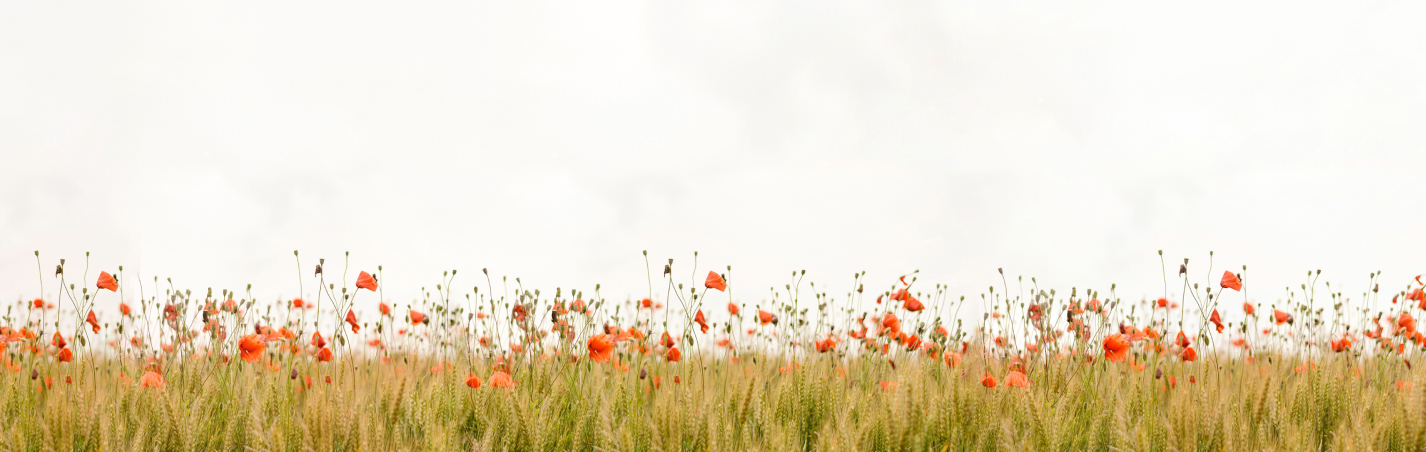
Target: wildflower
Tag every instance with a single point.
(518, 312)
(1182, 340)
(988, 381)
(1016, 379)
(58, 341)
(472, 381)
(666, 340)
(890, 386)
(1216, 320)
(106, 281)
(765, 317)
(418, 317)
(324, 355)
(600, 348)
(125, 310)
(318, 341)
(715, 281)
(92, 321)
(1341, 345)
(366, 281)
(1189, 354)
(297, 303)
(890, 322)
(384, 308)
(1231, 281)
(826, 345)
(152, 379)
(1280, 317)
(501, 380)
(732, 309)
(702, 322)
(251, 347)
(1115, 348)
(64, 355)
(673, 355)
(1248, 308)
(352, 320)
(1407, 322)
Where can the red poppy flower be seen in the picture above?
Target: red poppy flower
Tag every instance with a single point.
(702, 322)
(953, 359)
(501, 380)
(251, 347)
(765, 317)
(666, 340)
(1116, 347)
(92, 321)
(418, 317)
(1280, 317)
(732, 309)
(1216, 320)
(673, 355)
(472, 380)
(106, 281)
(297, 303)
(1017, 379)
(715, 281)
(1341, 345)
(384, 308)
(1407, 322)
(1182, 340)
(324, 355)
(366, 281)
(988, 381)
(1248, 308)
(1231, 281)
(58, 341)
(64, 355)
(826, 345)
(519, 312)
(152, 379)
(890, 322)
(601, 347)
(318, 341)
(125, 310)
(352, 320)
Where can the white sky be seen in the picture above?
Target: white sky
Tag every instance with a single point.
(555, 141)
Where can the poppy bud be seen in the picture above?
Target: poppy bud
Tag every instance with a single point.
(643, 373)
(34, 373)
(293, 376)
(1158, 373)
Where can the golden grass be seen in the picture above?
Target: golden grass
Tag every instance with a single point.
(752, 405)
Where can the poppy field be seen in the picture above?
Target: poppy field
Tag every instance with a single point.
(480, 362)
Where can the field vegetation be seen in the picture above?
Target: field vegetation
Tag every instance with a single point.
(114, 362)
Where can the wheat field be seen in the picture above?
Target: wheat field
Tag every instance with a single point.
(904, 368)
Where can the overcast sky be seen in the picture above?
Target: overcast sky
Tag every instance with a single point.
(556, 141)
